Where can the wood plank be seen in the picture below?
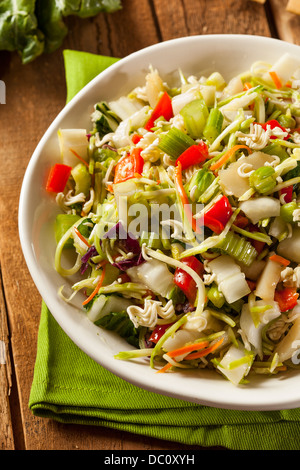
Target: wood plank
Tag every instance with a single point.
(117, 34)
(189, 17)
(6, 425)
(287, 23)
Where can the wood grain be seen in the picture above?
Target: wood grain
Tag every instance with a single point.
(287, 23)
(35, 95)
(6, 425)
(192, 17)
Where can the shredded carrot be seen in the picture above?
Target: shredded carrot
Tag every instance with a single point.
(227, 156)
(110, 188)
(184, 198)
(96, 290)
(79, 157)
(276, 80)
(189, 348)
(101, 264)
(280, 260)
(81, 237)
(247, 86)
(205, 352)
(164, 369)
(281, 368)
(137, 175)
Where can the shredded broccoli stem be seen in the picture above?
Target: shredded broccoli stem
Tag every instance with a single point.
(59, 249)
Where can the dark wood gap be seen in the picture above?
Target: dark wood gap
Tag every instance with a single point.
(270, 19)
(155, 21)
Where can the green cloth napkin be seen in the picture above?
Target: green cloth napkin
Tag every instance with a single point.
(68, 386)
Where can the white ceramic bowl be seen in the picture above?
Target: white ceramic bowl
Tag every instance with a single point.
(229, 54)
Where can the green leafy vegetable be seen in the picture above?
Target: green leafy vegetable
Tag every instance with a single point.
(33, 27)
(19, 29)
(121, 324)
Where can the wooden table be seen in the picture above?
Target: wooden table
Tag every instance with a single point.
(35, 94)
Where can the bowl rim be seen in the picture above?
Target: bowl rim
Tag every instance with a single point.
(269, 403)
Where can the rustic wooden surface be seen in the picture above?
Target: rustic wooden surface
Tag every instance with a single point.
(34, 95)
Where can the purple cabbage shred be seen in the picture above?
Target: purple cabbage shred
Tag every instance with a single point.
(129, 244)
(86, 257)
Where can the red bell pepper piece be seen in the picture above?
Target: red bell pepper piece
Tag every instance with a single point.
(287, 194)
(194, 155)
(129, 167)
(272, 124)
(218, 215)
(163, 108)
(184, 281)
(58, 177)
(286, 298)
(158, 332)
(136, 138)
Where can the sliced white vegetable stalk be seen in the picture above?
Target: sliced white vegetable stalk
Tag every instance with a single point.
(178, 264)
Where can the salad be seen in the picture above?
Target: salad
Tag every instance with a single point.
(179, 212)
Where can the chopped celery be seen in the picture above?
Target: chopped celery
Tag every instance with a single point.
(263, 179)
(213, 125)
(62, 223)
(287, 121)
(195, 115)
(176, 250)
(82, 178)
(175, 142)
(216, 296)
(199, 183)
(238, 247)
(210, 192)
(286, 211)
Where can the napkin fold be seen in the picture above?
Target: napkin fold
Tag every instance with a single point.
(69, 387)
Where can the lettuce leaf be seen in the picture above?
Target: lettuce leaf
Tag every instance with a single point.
(33, 27)
(50, 20)
(19, 29)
